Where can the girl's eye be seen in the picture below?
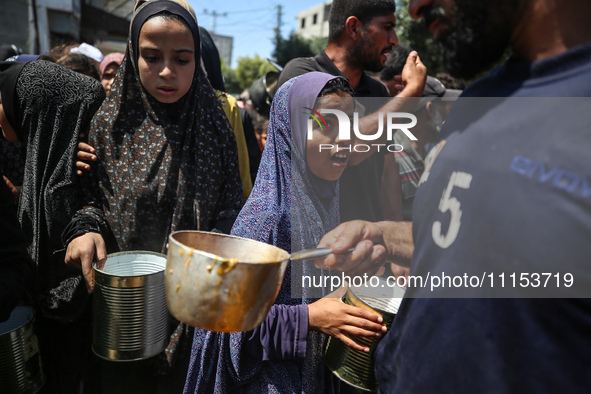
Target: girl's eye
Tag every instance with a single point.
(150, 59)
(331, 121)
(182, 61)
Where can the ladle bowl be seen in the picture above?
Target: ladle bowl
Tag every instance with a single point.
(220, 282)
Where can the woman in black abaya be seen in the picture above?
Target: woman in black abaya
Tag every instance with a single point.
(48, 107)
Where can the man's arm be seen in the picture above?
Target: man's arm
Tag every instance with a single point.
(375, 244)
(412, 84)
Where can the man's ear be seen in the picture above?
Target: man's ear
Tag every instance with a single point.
(352, 26)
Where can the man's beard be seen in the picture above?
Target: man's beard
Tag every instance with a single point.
(478, 32)
(364, 54)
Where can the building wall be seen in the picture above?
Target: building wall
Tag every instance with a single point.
(37, 30)
(14, 23)
(313, 22)
(57, 20)
(224, 45)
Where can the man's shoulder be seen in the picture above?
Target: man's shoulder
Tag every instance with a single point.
(299, 66)
(564, 75)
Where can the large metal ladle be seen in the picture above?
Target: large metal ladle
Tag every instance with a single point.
(225, 283)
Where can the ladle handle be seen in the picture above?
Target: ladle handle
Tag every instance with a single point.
(311, 254)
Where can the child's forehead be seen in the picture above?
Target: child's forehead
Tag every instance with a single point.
(164, 25)
(340, 100)
(161, 19)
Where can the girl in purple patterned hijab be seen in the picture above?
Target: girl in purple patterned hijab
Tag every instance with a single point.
(294, 202)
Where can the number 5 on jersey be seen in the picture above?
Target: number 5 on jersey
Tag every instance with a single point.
(451, 204)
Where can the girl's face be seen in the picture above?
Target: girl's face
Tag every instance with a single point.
(7, 129)
(261, 135)
(166, 59)
(326, 154)
(109, 76)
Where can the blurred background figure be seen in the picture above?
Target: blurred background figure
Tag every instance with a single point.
(9, 50)
(450, 82)
(210, 57)
(81, 58)
(262, 91)
(402, 170)
(90, 52)
(79, 63)
(260, 129)
(254, 153)
(23, 57)
(261, 95)
(57, 52)
(210, 61)
(108, 68)
(393, 66)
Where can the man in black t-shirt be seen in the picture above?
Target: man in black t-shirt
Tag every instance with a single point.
(361, 34)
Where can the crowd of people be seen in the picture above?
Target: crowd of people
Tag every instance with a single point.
(112, 153)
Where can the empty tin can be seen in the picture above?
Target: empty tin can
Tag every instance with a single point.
(21, 371)
(130, 316)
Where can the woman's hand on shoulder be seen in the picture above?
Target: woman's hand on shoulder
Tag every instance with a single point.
(333, 317)
(85, 154)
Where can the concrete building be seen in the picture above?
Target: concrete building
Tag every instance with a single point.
(313, 22)
(106, 25)
(17, 24)
(224, 45)
(36, 26)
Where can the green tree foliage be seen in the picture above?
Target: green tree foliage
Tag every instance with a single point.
(250, 69)
(416, 35)
(231, 81)
(294, 46)
(317, 44)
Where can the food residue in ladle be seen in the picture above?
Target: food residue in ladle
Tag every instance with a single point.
(170, 271)
(209, 268)
(177, 287)
(227, 265)
(181, 252)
